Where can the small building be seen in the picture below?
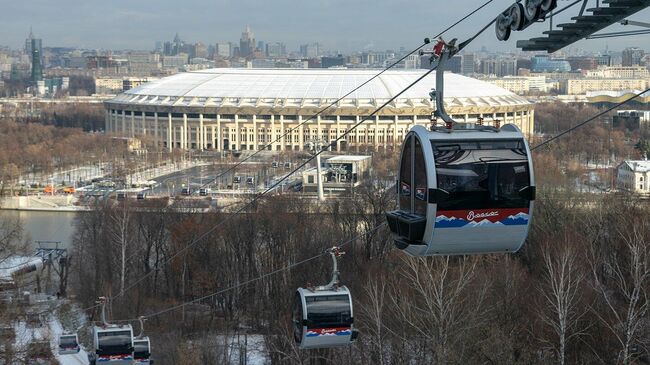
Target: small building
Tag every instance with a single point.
(339, 174)
(633, 176)
(131, 144)
(631, 119)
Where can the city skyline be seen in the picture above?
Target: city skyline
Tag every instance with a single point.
(362, 26)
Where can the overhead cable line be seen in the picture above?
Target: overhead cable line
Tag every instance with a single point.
(272, 187)
(261, 277)
(277, 183)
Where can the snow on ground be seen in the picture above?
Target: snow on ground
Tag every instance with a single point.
(256, 353)
(229, 348)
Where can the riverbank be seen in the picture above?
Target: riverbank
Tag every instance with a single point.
(43, 203)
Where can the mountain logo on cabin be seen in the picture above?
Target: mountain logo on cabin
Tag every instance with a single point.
(461, 218)
(484, 222)
(449, 222)
(517, 219)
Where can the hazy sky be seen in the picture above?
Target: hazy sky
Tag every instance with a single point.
(337, 24)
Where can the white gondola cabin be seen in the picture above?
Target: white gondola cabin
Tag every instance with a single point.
(142, 351)
(113, 344)
(463, 192)
(68, 344)
(323, 318)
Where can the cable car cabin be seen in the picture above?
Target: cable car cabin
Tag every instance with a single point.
(113, 345)
(142, 351)
(323, 318)
(463, 192)
(68, 344)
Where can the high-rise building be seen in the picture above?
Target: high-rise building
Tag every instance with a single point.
(311, 50)
(523, 63)
(327, 62)
(247, 43)
(468, 64)
(632, 56)
(507, 67)
(412, 62)
(177, 45)
(276, 49)
(489, 66)
(31, 42)
(582, 63)
(543, 63)
(499, 67)
(176, 62)
(604, 60)
(199, 50)
(37, 68)
(368, 58)
(28, 43)
(143, 63)
(455, 64)
(223, 50)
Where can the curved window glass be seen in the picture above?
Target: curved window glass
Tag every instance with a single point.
(115, 343)
(482, 174)
(420, 185)
(141, 349)
(328, 311)
(68, 341)
(297, 318)
(405, 184)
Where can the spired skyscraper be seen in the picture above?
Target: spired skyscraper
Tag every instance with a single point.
(37, 67)
(247, 43)
(34, 48)
(31, 42)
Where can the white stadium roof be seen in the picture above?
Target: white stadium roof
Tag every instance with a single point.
(224, 87)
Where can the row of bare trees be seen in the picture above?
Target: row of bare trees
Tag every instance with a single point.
(33, 148)
(598, 142)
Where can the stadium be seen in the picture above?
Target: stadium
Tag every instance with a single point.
(246, 109)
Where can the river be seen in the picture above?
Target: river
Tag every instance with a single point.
(44, 226)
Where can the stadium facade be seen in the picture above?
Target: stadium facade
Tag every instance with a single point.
(245, 109)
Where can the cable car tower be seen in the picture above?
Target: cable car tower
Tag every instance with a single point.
(322, 315)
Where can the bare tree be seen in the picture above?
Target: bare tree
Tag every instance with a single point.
(120, 233)
(622, 281)
(373, 314)
(560, 289)
(445, 306)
